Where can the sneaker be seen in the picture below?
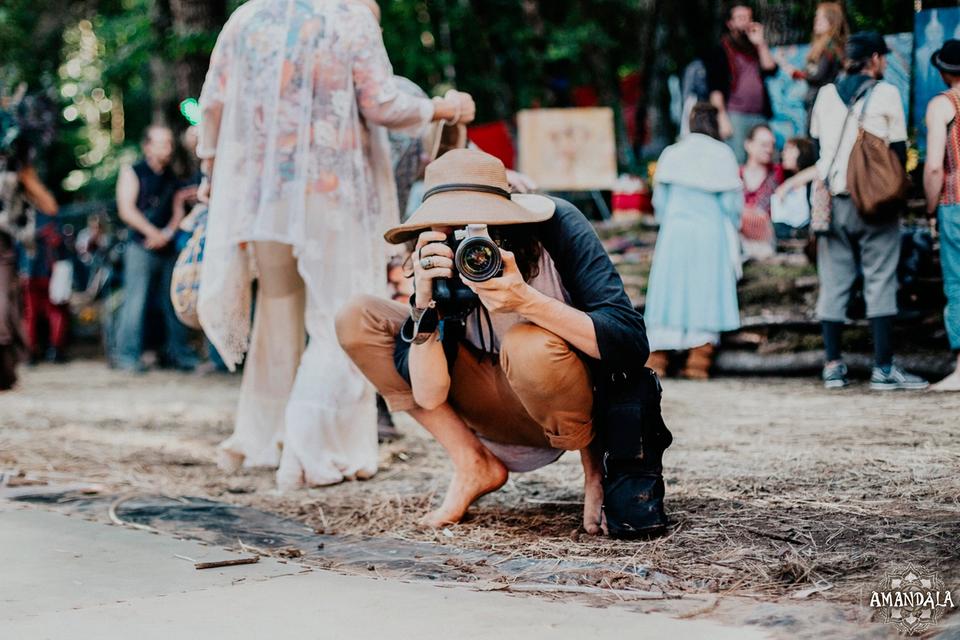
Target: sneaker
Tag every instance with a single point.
(56, 356)
(895, 378)
(136, 367)
(835, 376)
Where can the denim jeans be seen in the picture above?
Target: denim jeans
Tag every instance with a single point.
(742, 123)
(146, 276)
(949, 220)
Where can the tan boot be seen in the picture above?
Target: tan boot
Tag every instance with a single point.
(658, 361)
(698, 363)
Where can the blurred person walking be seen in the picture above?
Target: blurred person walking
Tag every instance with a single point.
(825, 59)
(148, 195)
(692, 294)
(37, 265)
(735, 77)
(22, 197)
(941, 183)
(859, 241)
(299, 196)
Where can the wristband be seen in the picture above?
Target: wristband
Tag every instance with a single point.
(419, 331)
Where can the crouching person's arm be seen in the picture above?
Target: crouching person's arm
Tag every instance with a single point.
(429, 375)
(429, 378)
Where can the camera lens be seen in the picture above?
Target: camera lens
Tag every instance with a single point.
(478, 259)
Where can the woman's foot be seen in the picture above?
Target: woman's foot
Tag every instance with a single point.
(229, 461)
(478, 477)
(950, 383)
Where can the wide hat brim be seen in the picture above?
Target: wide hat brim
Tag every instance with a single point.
(460, 208)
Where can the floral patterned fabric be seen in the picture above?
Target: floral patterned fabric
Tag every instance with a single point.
(295, 107)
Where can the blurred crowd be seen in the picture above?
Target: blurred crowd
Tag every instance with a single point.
(90, 277)
(748, 204)
(723, 195)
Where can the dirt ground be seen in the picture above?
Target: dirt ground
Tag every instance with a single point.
(777, 490)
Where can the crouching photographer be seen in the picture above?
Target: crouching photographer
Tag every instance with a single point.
(519, 344)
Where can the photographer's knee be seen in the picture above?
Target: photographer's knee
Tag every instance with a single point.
(349, 321)
(527, 347)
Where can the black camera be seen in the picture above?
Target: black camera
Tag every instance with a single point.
(477, 257)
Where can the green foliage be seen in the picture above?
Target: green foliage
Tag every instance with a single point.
(511, 54)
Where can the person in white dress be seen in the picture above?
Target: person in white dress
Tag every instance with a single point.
(291, 107)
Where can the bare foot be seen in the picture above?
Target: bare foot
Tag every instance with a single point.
(593, 520)
(229, 461)
(950, 383)
(481, 476)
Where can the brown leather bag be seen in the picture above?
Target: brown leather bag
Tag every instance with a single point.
(876, 179)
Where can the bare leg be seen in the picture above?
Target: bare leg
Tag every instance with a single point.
(476, 471)
(951, 382)
(593, 521)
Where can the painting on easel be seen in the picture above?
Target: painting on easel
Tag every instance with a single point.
(568, 149)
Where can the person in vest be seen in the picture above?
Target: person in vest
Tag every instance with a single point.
(148, 193)
(735, 77)
(854, 244)
(941, 183)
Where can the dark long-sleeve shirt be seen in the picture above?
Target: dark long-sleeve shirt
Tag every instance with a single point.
(594, 287)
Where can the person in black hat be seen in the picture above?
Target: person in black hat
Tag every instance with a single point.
(853, 244)
(941, 183)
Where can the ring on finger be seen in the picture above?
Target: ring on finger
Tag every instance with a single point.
(426, 263)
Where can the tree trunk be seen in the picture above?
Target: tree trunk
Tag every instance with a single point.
(195, 23)
(161, 89)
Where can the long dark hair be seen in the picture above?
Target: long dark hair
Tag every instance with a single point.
(834, 41)
(523, 242)
(808, 152)
(705, 119)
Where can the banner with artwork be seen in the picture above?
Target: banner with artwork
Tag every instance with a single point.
(931, 29)
(787, 94)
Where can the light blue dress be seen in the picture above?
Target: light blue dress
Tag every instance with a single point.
(692, 291)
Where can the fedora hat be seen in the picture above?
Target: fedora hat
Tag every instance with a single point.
(467, 186)
(947, 57)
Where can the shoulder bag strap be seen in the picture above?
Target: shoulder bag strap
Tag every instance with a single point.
(843, 130)
(866, 91)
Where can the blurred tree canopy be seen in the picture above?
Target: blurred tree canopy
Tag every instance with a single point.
(110, 67)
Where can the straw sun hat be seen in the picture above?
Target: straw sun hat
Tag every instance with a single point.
(466, 186)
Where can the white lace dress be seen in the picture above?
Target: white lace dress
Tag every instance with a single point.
(303, 89)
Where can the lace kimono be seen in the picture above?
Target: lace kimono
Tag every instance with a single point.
(295, 103)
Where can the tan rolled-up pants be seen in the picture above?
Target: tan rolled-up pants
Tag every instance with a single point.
(538, 393)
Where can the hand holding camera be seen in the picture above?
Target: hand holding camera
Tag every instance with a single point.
(431, 259)
(508, 293)
(470, 268)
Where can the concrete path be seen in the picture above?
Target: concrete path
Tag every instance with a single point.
(63, 577)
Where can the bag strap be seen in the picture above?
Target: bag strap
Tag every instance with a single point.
(867, 92)
(843, 130)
